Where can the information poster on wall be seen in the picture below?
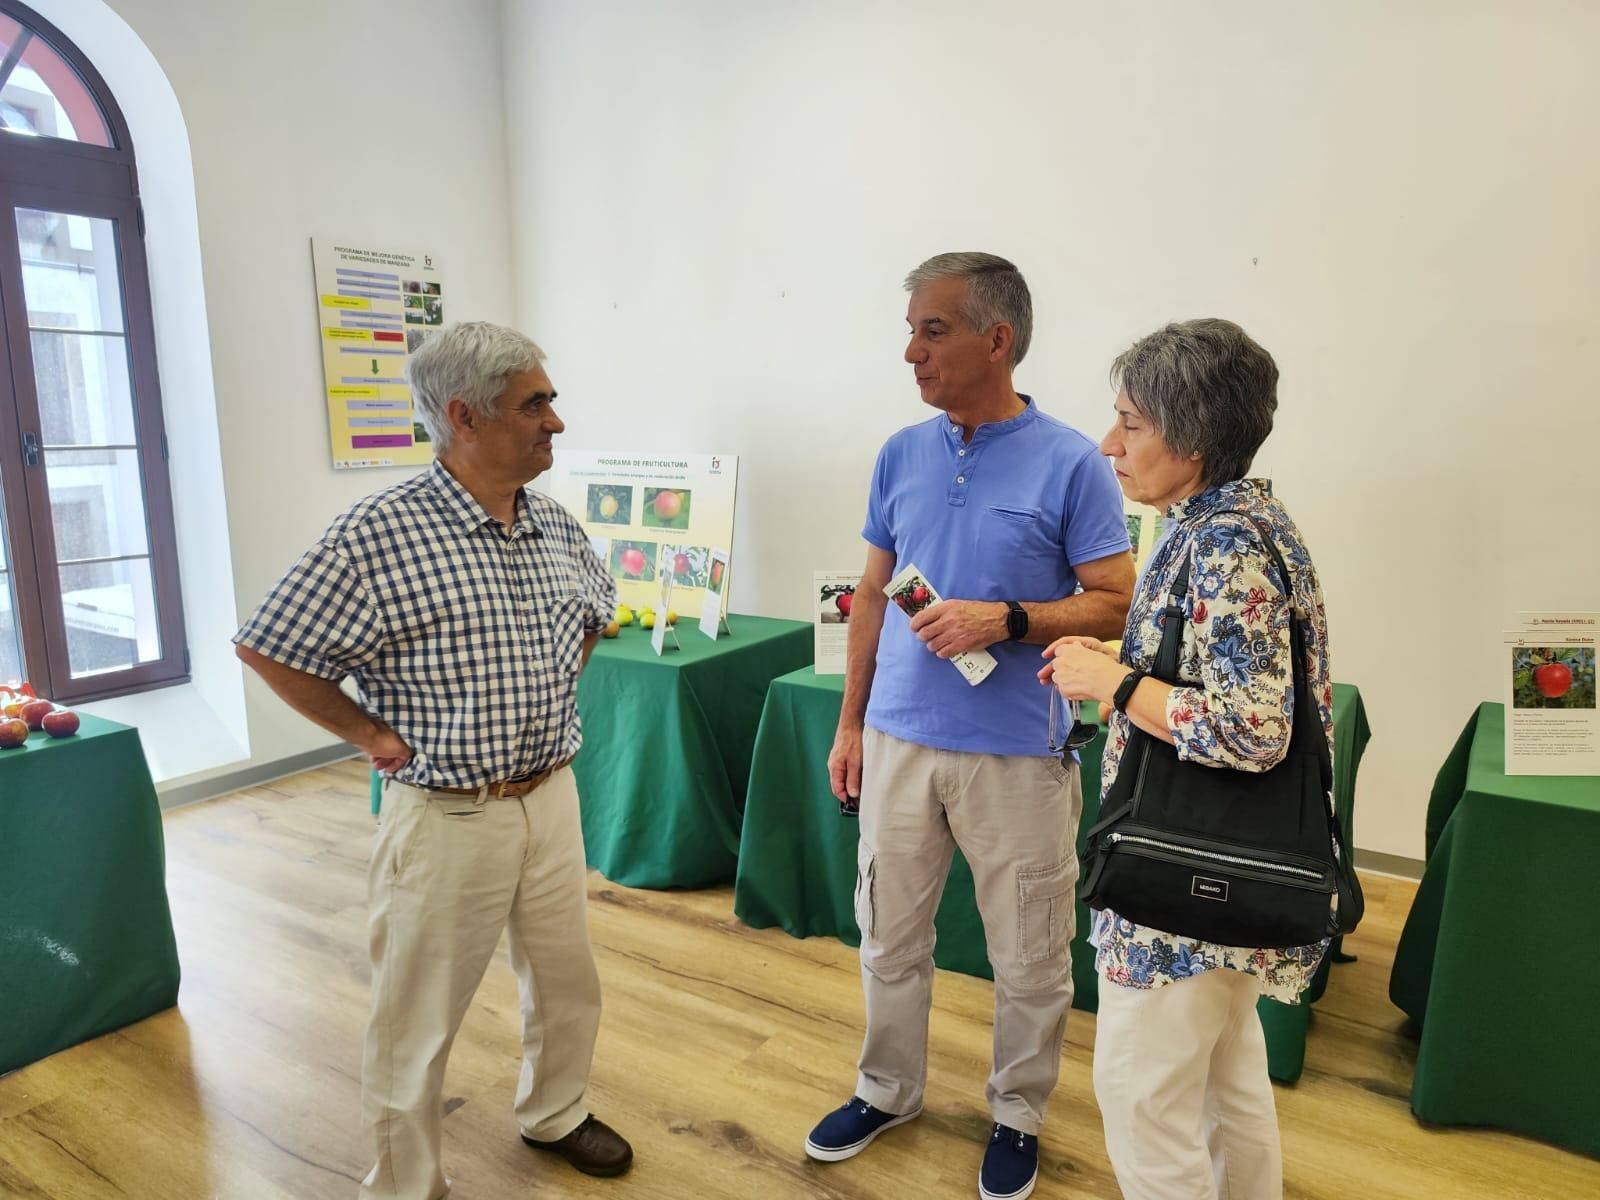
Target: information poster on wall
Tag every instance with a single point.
(375, 308)
(1552, 719)
(658, 513)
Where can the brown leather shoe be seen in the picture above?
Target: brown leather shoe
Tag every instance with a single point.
(593, 1147)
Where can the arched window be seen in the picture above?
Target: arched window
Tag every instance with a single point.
(89, 599)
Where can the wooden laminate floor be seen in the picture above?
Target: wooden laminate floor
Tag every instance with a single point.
(720, 1046)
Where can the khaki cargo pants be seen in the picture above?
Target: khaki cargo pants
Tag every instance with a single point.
(1015, 819)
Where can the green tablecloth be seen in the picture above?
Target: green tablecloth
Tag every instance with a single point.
(86, 940)
(1495, 962)
(666, 747)
(797, 857)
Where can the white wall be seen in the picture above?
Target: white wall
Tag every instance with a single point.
(715, 201)
(381, 120)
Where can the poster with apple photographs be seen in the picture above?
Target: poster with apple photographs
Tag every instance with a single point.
(660, 513)
(713, 599)
(833, 593)
(1548, 674)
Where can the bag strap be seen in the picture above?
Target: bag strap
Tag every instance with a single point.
(1305, 702)
(1166, 663)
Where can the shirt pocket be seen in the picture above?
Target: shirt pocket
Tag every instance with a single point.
(1021, 553)
(564, 617)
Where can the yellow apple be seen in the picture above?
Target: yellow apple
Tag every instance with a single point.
(608, 506)
(648, 620)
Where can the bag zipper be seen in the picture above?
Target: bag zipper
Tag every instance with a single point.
(1216, 856)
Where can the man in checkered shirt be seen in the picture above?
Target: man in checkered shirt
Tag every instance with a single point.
(464, 607)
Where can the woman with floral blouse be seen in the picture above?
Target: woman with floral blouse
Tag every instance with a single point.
(1180, 1064)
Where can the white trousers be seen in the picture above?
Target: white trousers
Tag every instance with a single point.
(448, 874)
(1180, 1073)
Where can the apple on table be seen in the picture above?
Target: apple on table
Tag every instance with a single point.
(60, 723)
(33, 712)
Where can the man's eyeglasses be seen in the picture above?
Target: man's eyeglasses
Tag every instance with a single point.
(1068, 732)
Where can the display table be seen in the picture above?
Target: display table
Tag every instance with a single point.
(666, 747)
(797, 857)
(1497, 960)
(86, 940)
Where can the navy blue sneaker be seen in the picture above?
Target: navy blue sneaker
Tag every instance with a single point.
(1010, 1164)
(849, 1129)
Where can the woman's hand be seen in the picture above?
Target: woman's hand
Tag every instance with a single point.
(1082, 668)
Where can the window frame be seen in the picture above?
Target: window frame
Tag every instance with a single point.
(58, 175)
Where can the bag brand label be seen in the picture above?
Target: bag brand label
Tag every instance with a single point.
(1209, 889)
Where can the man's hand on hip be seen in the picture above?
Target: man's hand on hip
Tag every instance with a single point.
(953, 627)
(844, 763)
(386, 750)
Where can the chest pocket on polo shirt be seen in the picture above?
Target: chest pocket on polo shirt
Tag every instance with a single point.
(564, 628)
(1021, 550)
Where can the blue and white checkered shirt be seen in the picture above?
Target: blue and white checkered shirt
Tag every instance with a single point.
(464, 638)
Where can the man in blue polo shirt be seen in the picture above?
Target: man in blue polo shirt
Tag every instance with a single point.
(1017, 520)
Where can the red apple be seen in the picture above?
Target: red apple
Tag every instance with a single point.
(63, 722)
(12, 733)
(1553, 680)
(919, 594)
(680, 564)
(716, 573)
(33, 712)
(12, 710)
(668, 505)
(632, 560)
(842, 602)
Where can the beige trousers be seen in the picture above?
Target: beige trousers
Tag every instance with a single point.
(1180, 1072)
(1016, 821)
(448, 874)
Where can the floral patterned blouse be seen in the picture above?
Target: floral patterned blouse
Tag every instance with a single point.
(1236, 709)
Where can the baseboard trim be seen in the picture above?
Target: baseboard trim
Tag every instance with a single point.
(1389, 864)
(221, 785)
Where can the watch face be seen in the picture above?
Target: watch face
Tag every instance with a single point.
(1017, 623)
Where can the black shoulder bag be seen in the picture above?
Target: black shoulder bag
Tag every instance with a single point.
(1239, 858)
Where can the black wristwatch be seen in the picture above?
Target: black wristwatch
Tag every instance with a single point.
(1016, 621)
(1125, 690)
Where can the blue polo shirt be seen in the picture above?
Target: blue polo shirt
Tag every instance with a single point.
(1006, 517)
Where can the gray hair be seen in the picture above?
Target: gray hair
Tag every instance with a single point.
(1207, 388)
(997, 294)
(469, 361)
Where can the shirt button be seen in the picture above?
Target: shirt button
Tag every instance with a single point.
(961, 478)
(962, 453)
(955, 429)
